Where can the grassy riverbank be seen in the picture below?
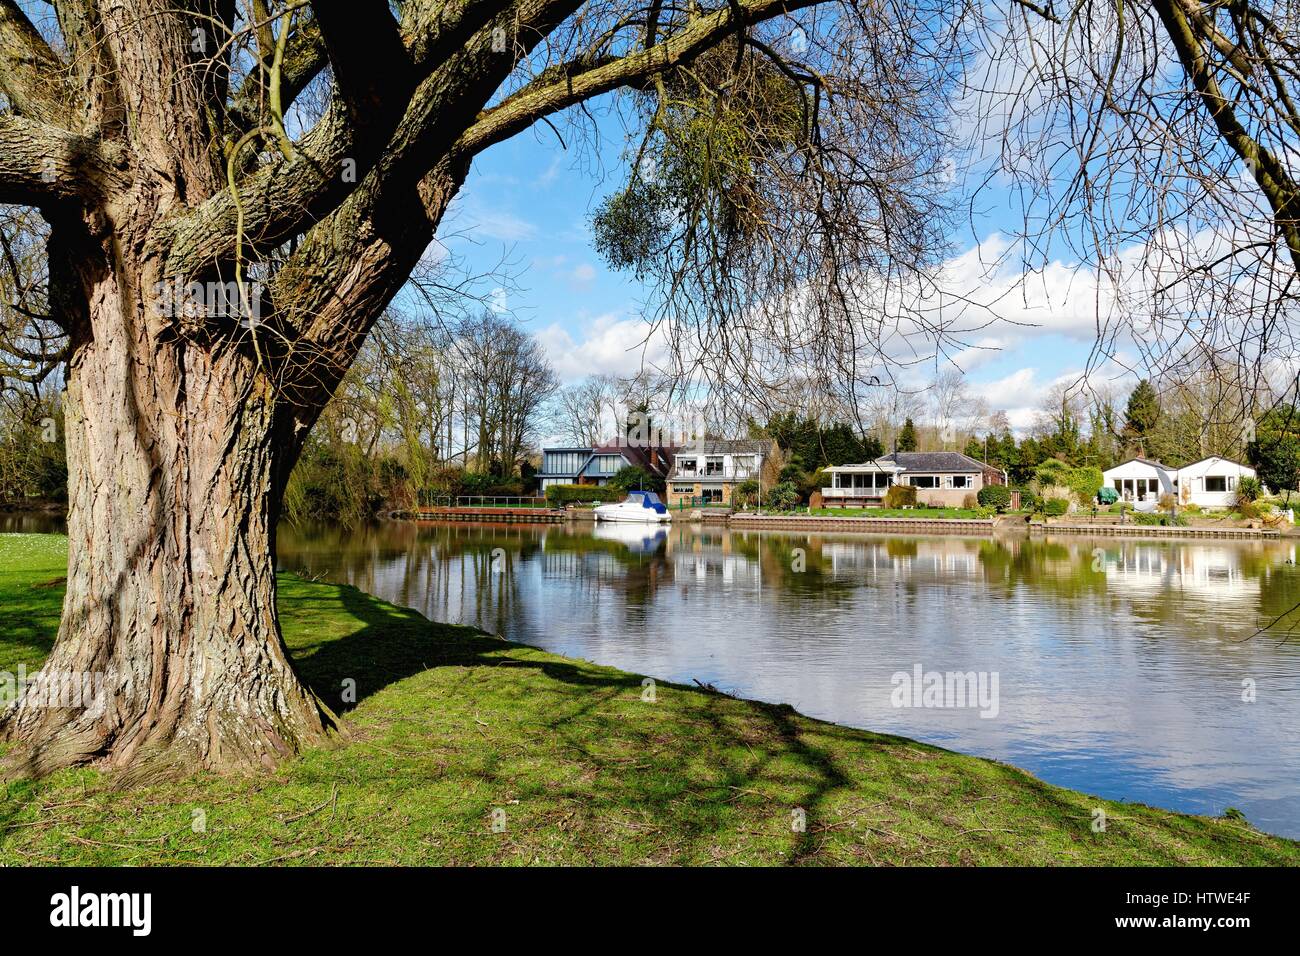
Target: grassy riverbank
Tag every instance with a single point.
(452, 726)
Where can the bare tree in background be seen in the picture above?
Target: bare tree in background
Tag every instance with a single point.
(508, 382)
(587, 410)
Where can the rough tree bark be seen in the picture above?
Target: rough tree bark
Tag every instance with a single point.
(170, 612)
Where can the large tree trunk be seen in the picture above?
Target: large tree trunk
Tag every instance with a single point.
(170, 609)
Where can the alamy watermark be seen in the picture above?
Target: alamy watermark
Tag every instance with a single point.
(54, 690)
(946, 689)
(176, 298)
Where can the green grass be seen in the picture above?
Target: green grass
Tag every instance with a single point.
(902, 512)
(452, 725)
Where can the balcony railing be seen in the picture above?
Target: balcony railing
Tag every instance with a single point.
(729, 474)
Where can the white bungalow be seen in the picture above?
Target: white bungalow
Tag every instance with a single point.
(941, 478)
(1210, 482)
(1140, 480)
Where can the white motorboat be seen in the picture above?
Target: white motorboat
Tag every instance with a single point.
(643, 506)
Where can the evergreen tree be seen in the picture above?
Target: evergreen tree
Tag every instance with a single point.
(907, 437)
(1141, 418)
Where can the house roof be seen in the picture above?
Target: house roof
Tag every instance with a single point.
(936, 461)
(1142, 461)
(638, 455)
(1230, 461)
(920, 462)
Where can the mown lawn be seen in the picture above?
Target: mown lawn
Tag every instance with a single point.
(466, 749)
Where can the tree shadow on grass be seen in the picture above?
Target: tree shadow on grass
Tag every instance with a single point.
(393, 644)
(712, 767)
(396, 643)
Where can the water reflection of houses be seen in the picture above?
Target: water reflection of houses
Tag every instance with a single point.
(1208, 571)
(904, 557)
(713, 555)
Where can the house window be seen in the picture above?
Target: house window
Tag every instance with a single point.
(744, 465)
(713, 465)
(962, 481)
(605, 464)
(563, 462)
(683, 489)
(686, 466)
(711, 495)
(1216, 483)
(924, 481)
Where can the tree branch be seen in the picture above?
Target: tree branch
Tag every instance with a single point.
(373, 71)
(1281, 191)
(41, 163)
(582, 81)
(32, 77)
(304, 58)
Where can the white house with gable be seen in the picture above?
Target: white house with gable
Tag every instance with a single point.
(1210, 482)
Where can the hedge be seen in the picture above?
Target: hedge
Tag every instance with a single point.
(1056, 506)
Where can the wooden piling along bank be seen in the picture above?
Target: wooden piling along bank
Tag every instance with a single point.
(547, 515)
(1155, 531)
(877, 525)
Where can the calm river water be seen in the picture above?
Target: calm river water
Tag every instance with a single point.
(1120, 665)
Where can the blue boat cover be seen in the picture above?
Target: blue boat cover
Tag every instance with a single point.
(649, 500)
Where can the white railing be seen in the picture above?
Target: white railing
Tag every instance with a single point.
(732, 474)
(854, 492)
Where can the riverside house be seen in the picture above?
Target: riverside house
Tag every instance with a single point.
(595, 466)
(1210, 482)
(708, 471)
(941, 478)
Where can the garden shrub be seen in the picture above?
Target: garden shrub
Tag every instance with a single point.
(1056, 506)
(1248, 490)
(900, 496)
(1156, 519)
(746, 494)
(1085, 481)
(994, 496)
(636, 478)
(783, 496)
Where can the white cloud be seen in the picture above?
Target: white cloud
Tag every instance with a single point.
(486, 222)
(612, 343)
